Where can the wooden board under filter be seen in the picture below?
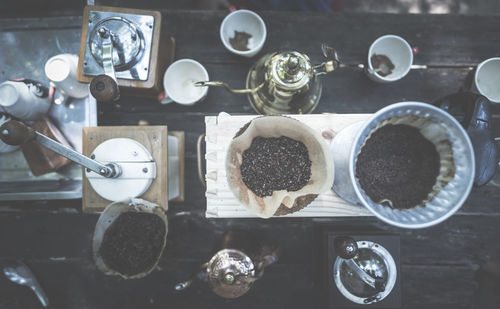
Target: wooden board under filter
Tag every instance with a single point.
(221, 203)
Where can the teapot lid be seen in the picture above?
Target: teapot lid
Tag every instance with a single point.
(230, 273)
(291, 70)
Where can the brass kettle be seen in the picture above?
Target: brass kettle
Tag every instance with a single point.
(284, 83)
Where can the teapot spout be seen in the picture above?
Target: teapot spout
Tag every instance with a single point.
(228, 88)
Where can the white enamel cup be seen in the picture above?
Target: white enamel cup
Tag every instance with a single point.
(397, 50)
(24, 101)
(248, 22)
(61, 70)
(487, 79)
(179, 80)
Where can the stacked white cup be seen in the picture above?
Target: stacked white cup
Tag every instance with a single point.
(23, 100)
(61, 70)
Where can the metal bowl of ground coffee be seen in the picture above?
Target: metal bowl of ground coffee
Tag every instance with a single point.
(129, 238)
(453, 177)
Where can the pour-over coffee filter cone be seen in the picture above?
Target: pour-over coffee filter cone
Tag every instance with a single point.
(282, 201)
(456, 173)
(436, 134)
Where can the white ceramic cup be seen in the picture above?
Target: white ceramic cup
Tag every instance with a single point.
(397, 50)
(61, 70)
(179, 80)
(244, 21)
(4, 148)
(487, 79)
(22, 100)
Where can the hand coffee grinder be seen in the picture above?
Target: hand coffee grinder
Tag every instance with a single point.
(363, 270)
(121, 162)
(284, 83)
(121, 48)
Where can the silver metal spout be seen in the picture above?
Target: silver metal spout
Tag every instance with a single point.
(228, 88)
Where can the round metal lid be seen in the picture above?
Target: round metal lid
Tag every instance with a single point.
(127, 38)
(291, 70)
(230, 273)
(376, 261)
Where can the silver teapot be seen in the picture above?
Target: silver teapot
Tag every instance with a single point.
(284, 83)
(231, 272)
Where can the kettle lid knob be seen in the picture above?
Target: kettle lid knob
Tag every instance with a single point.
(292, 63)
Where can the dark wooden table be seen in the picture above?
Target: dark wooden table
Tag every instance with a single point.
(438, 264)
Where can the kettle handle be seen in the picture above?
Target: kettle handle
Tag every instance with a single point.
(228, 88)
(333, 60)
(270, 255)
(200, 275)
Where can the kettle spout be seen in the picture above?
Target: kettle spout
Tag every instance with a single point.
(228, 88)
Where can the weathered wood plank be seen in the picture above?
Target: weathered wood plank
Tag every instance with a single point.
(78, 284)
(346, 90)
(438, 263)
(443, 40)
(461, 240)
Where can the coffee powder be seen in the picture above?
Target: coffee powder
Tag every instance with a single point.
(273, 164)
(240, 40)
(397, 164)
(133, 242)
(382, 64)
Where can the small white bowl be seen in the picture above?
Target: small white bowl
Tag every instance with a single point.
(244, 21)
(487, 79)
(396, 49)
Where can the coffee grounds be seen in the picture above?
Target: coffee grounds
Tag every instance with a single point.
(240, 40)
(133, 242)
(276, 163)
(398, 164)
(382, 64)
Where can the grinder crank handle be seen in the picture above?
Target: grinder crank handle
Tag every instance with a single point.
(16, 133)
(104, 87)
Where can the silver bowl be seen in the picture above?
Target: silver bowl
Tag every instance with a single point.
(443, 203)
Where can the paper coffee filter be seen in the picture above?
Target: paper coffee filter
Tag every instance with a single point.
(437, 134)
(106, 219)
(276, 126)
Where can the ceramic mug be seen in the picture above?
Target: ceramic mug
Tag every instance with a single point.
(397, 50)
(248, 22)
(179, 80)
(487, 79)
(61, 70)
(26, 100)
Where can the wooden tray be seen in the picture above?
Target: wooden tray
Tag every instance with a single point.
(221, 202)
